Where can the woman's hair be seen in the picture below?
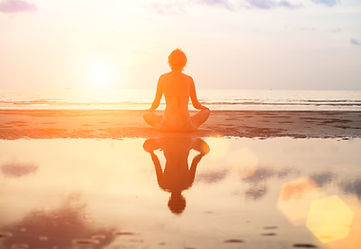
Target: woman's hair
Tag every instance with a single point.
(176, 203)
(177, 59)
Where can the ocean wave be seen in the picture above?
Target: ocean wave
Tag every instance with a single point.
(231, 102)
(285, 103)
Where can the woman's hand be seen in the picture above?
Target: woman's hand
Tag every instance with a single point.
(204, 108)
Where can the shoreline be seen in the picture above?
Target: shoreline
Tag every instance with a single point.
(117, 124)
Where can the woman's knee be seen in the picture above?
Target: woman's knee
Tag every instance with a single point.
(148, 117)
(200, 117)
(206, 113)
(151, 118)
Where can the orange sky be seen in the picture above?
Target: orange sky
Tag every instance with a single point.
(262, 44)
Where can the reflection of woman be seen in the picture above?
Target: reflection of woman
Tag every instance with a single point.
(177, 88)
(176, 176)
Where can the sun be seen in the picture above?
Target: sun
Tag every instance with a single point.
(101, 69)
(101, 74)
(102, 79)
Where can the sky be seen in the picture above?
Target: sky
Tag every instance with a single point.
(243, 44)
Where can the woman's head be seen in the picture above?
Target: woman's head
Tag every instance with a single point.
(177, 60)
(176, 203)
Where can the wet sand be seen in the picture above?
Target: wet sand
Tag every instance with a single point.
(15, 124)
(247, 193)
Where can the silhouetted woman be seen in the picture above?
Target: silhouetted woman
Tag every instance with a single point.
(177, 87)
(176, 176)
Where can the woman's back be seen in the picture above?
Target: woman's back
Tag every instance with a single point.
(176, 84)
(176, 88)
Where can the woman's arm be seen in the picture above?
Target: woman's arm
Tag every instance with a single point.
(193, 167)
(201, 146)
(151, 144)
(158, 96)
(158, 169)
(194, 98)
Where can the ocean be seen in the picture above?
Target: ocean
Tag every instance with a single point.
(215, 99)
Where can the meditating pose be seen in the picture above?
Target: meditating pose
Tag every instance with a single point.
(177, 87)
(176, 176)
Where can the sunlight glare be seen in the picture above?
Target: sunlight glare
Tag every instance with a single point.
(102, 76)
(101, 73)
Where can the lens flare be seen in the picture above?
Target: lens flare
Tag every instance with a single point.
(296, 197)
(329, 219)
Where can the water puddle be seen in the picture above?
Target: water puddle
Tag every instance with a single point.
(180, 192)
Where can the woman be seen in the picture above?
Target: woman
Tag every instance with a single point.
(177, 176)
(177, 87)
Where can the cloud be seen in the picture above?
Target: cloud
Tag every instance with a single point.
(257, 182)
(256, 192)
(180, 7)
(323, 178)
(212, 177)
(353, 41)
(259, 175)
(352, 187)
(64, 227)
(326, 2)
(18, 170)
(168, 8)
(271, 4)
(223, 3)
(16, 6)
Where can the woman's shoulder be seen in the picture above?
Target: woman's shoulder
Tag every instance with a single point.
(165, 75)
(187, 76)
(172, 74)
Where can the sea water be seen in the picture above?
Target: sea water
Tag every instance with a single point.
(216, 99)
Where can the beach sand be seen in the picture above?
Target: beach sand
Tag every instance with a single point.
(15, 124)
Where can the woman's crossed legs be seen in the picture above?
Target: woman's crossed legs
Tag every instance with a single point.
(155, 120)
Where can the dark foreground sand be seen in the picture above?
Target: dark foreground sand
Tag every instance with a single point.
(16, 124)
